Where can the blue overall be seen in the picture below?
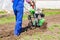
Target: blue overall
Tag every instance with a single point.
(18, 8)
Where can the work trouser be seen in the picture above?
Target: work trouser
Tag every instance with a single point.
(18, 11)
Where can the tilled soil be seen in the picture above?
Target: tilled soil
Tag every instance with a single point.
(6, 30)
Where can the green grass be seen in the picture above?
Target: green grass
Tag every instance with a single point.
(38, 37)
(51, 13)
(58, 32)
(35, 36)
(43, 35)
(0, 38)
(25, 17)
(7, 19)
(48, 37)
(46, 14)
(12, 19)
(3, 12)
(59, 37)
(51, 28)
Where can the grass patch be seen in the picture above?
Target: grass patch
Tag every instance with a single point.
(38, 37)
(51, 13)
(48, 37)
(27, 37)
(59, 37)
(7, 19)
(12, 19)
(3, 12)
(56, 25)
(58, 32)
(0, 38)
(43, 36)
(34, 36)
(25, 17)
(46, 13)
(51, 28)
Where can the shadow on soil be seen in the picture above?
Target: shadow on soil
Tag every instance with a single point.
(32, 28)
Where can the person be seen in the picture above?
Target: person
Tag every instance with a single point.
(36, 12)
(31, 2)
(18, 8)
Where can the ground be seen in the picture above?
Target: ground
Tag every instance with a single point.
(51, 33)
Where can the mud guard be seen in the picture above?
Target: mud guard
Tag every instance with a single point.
(41, 21)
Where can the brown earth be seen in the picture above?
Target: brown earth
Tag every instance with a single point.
(6, 30)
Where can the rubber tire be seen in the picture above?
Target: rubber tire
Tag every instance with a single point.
(29, 17)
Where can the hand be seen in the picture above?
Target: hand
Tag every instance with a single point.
(28, 1)
(12, 0)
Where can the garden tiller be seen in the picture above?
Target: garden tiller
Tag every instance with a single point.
(36, 17)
